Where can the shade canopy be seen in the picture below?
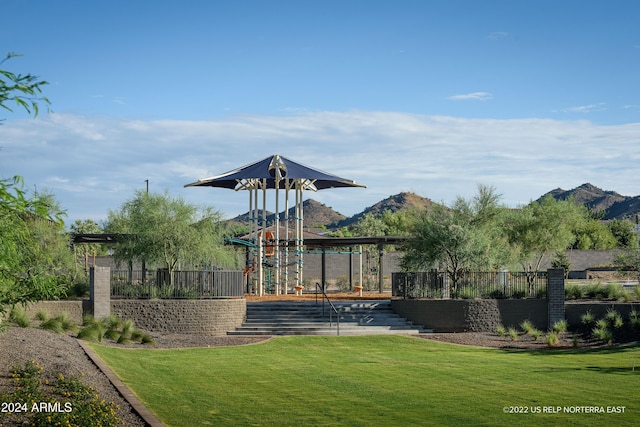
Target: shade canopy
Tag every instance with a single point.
(277, 173)
(275, 169)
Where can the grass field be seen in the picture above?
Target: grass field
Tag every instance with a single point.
(381, 380)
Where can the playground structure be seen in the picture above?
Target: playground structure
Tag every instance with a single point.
(271, 249)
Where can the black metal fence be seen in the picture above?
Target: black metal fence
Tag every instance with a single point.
(128, 284)
(492, 284)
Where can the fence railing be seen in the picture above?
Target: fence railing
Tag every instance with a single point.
(493, 284)
(129, 284)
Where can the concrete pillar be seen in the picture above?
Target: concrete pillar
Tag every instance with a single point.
(555, 294)
(381, 268)
(100, 291)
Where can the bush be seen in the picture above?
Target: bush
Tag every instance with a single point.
(614, 318)
(114, 329)
(602, 334)
(588, 318)
(573, 291)
(59, 324)
(594, 291)
(513, 334)
(615, 291)
(527, 326)
(536, 334)
(501, 330)
(552, 339)
(18, 317)
(559, 326)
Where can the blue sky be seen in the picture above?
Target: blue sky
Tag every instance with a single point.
(433, 97)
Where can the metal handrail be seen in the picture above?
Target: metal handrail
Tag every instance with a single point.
(333, 307)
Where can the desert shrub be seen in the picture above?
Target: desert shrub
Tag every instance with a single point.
(513, 333)
(526, 326)
(614, 318)
(594, 291)
(32, 387)
(559, 326)
(67, 324)
(552, 338)
(588, 318)
(501, 330)
(602, 334)
(93, 330)
(615, 291)
(18, 316)
(573, 291)
(535, 334)
(53, 325)
(114, 329)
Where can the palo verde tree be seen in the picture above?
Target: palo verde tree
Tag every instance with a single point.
(468, 235)
(169, 232)
(30, 227)
(542, 229)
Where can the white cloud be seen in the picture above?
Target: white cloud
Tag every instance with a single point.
(600, 106)
(94, 164)
(497, 35)
(474, 96)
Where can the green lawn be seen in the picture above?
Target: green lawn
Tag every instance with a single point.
(382, 380)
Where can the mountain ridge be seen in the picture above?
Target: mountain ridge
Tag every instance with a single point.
(316, 214)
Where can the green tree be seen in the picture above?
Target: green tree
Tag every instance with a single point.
(468, 235)
(168, 231)
(592, 234)
(543, 228)
(622, 231)
(34, 250)
(23, 90)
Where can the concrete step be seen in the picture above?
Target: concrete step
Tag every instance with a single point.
(306, 318)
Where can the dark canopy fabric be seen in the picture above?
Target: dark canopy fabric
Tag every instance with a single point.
(266, 169)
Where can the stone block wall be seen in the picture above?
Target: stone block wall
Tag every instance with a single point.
(472, 315)
(575, 309)
(74, 309)
(200, 317)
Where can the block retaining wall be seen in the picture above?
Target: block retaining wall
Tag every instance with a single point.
(199, 317)
(482, 315)
(75, 309)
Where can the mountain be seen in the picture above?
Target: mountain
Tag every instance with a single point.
(614, 205)
(315, 214)
(398, 202)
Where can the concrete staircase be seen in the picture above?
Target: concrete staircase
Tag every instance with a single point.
(306, 318)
